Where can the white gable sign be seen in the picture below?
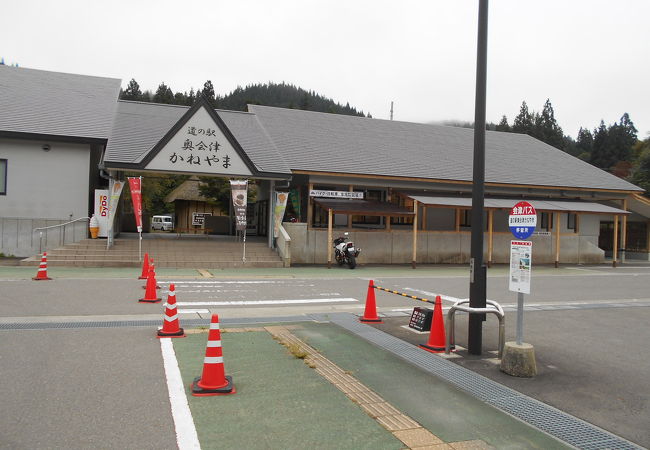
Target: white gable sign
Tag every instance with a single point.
(199, 147)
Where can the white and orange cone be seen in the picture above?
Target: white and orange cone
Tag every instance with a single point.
(213, 381)
(42, 269)
(171, 326)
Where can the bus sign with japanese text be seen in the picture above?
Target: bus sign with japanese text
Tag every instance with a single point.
(522, 220)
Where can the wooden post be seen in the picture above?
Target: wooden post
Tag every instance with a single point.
(350, 189)
(615, 243)
(490, 236)
(310, 207)
(424, 217)
(387, 219)
(415, 232)
(557, 239)
(457, 220)
(329, 238)
(624, 232)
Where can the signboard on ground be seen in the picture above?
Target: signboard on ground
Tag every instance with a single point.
(421, 319)
(199, 218)
(520, 265)
(522, 220)
(335, 194)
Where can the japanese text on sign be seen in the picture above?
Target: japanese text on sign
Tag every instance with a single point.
(199, 151)
(520, 266)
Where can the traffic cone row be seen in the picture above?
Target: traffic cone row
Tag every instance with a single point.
(41, 274)
(436, 342)
(171, 327)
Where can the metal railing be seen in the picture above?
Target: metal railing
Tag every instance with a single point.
(492, 308)
(61, 226)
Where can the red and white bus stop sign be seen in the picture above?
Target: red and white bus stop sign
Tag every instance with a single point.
(522, 220)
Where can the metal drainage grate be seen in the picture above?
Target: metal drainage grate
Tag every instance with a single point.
(561, 425)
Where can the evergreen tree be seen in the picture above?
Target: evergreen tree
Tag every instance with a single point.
(584, 144)
(132, 91)
(601, 154)
(163, 95)
(547, 128)
(523, 123)
(503, 125)
(208, 92)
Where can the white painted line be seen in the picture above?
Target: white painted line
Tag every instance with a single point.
(268, 302)
(433, 294)
(186, 436)
(193, 311)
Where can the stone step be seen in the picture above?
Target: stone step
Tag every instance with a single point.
(181, 264)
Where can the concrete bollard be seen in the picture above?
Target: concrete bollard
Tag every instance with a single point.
(519, 360)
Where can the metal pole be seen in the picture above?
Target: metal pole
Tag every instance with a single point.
(244, 254)
(478, 272)
(520, 317)
(140, 246)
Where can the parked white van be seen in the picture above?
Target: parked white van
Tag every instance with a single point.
(165, 223)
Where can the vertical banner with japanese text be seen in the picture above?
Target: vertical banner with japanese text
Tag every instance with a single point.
(278, 213)
(135, 184)
(239, 190)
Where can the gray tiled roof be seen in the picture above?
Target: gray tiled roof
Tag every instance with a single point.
(53, 103)
(345, 144)
(139, 126)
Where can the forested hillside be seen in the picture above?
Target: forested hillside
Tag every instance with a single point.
(271, 94)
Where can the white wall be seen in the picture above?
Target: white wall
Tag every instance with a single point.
(45, 185)
(43, 189)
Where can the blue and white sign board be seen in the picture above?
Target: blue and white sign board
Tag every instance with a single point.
(522, 220)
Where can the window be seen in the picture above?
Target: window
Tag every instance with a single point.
(465, 217)
(571, 222)
(3, 177)
(546, 221)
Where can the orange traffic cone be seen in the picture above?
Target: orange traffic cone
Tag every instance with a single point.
(171, 327)
(213, 381)
(370, 314)
(436, 342)
(42, 269)
(152, 268)
(145, 267)
(150, 293)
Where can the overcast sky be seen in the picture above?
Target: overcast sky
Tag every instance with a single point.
(591, 58)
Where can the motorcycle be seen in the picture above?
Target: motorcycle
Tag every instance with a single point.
(345, 252)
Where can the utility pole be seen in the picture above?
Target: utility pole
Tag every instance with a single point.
(478, 271)
(391, 110)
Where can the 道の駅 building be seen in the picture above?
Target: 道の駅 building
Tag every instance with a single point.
(402, 190)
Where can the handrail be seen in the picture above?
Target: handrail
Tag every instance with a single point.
(284, 246)
(493, 307)
(41, 229)
(60, 225)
